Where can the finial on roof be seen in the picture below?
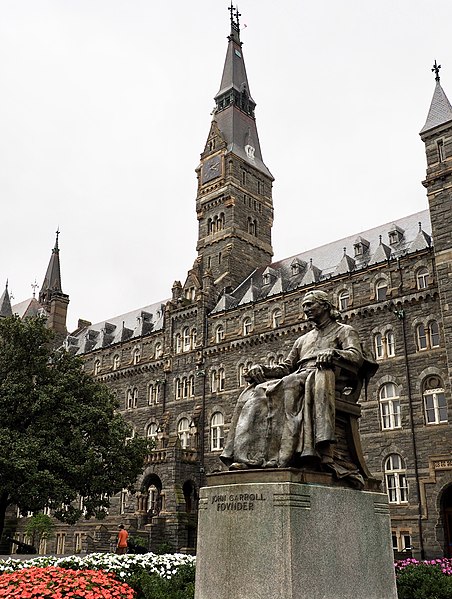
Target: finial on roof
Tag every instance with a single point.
(345, 251)
(34, 287)
(235, 23)
(380, 238)
(420, 226)
(57, 233)
(436, 68)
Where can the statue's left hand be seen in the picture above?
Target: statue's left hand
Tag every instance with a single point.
(255, 374)
(325, 358)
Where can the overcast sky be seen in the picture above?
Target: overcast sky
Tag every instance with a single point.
(105, 108)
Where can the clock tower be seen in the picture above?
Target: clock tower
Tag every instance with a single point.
(234, 202)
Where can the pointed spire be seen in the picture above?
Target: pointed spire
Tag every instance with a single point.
(52, 279)
(234, 105)
(5, 303)
(440, 111)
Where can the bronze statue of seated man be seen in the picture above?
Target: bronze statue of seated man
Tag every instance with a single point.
(286, 416)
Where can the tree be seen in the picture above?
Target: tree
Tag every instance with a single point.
(60, 434)
(40, 526)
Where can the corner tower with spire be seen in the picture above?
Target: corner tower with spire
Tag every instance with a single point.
(437, 137)
(234, 201)
(51, 296)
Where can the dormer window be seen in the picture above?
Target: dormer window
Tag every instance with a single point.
(266, 279)
(395, 235)
(360, 247)
(296, 267)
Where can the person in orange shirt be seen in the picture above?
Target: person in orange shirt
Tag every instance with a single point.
(123, 535)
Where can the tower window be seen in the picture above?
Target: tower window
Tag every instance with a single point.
(440, 149)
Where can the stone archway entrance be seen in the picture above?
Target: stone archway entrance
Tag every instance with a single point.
(446, 513)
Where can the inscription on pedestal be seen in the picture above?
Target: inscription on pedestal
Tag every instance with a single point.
(239, 502)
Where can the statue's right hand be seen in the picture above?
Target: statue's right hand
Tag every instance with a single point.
(255, 374)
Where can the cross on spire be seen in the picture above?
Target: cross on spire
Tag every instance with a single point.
(235, 23)
(436, 68)
(34, 286)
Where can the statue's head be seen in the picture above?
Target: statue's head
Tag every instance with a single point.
(318, 296)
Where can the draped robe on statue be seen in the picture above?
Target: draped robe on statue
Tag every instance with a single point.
(292, 412)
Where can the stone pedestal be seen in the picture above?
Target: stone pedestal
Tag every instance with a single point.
(271, 535)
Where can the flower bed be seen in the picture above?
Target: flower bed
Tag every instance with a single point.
(428, 579)
(146, 576)
(122, 565)
(54, 583)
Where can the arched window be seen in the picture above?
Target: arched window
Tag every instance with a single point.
(158, 352)
(193, 338)
(116, 361)
(191, 386)
(209, 226)
(213, 381)
(389, 407)
(422, 278)
(378, 344)
(185, 387)
(435, 404)
(217, 431)
(344, 299)
(243, 369)
(384, 345)
(178, 343)
(247, 326)
(186, 337)
(381, 290)
(96, 367)
(136, 356)
(421, 337)
(132, 398)
(395, 477)
(177, 389)
(154, 393)
(271, 361)
(151, 431)
(390, 344)
(276, 318)
(221, 379)
(433, 330)
(183, 432)
(219, 333)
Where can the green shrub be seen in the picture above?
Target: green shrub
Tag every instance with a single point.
(423, 581)
(153, 586)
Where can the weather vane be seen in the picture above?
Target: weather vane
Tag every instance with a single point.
(436, 68)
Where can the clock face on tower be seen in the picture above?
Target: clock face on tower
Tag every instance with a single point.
(211, 169)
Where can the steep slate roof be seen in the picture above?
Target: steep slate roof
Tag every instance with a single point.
(440, 111)
(236, 122)
(52, 279)
(121, 328)
(334, 258)
(5, 304)
(27, 308)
